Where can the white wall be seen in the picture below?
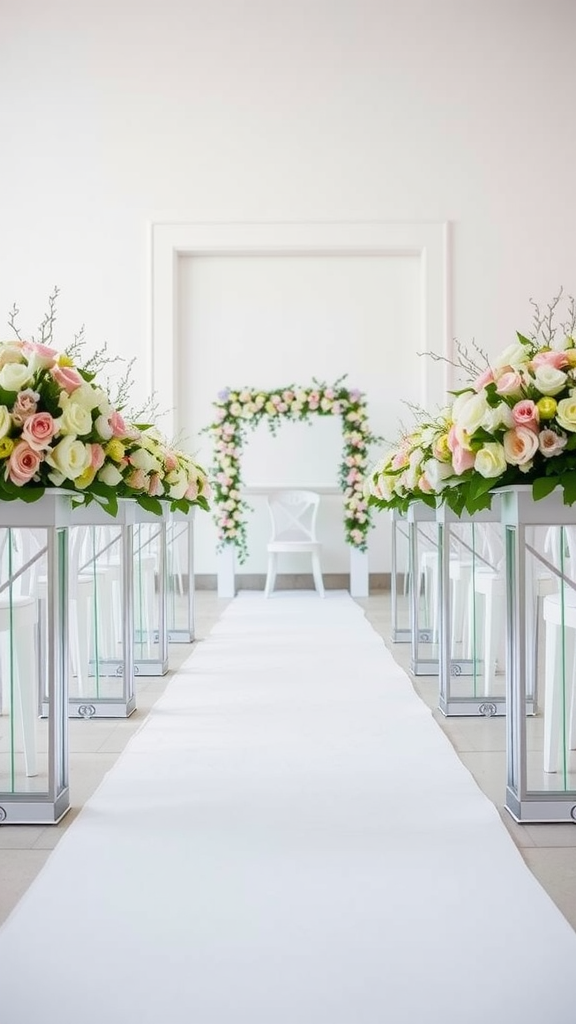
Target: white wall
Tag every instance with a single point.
(267, 322)
(114, 114)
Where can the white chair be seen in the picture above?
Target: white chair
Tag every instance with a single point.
(293, 515)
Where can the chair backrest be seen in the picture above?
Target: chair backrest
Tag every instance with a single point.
(293, 515)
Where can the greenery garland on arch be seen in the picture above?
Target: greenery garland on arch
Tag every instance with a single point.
(236, 410)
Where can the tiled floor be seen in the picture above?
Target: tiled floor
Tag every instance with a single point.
(549, 850)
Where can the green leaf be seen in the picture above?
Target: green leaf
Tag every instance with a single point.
(543, 486)
(8, 397)
(150, 504)
(31, 494)
(523, 339)
(568, 483)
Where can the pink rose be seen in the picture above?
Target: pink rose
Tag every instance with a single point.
(97, 456)
(26, 403)
(525, 414)
(171, 462)
(520, 445)
(485, 378)
(67, 377)
(398, 461)
(39, 429)
(155, 487)
(191, 491)
(556, 359)
(117, 424)
(509, 383)
(23, 463)
(41, 355)
(550, 443)
(462, 459)
(137, 480)
(424, 484)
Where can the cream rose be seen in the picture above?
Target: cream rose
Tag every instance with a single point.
(75, 419)
(490, 461)
(142, 459)
(520, 445)
(5, 421)
(109, 475)
(177, 482)
(85, 395)
(15, 376)
(566, 413)
(69, 457)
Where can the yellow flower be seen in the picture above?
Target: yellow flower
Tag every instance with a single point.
(85, 478)
(6, 446)
(546, 408)
(115, 450)
(64, 360)
(570, 354)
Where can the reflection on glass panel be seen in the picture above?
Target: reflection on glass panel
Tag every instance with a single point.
(551, 613)
(180, 578)
(473, 678)
(400, 580)
(424, 589)
(23, 735)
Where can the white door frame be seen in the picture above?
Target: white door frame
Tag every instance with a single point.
(171, 241)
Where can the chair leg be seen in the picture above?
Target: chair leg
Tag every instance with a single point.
(271, 575)
(317, 573)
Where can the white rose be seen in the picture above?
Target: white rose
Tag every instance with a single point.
(75, 419)
(514, 355)
(15, 376)
(437, 474)
(69, 457)
(501, 416)
(412, 475)
(109, 475)
(520, 445)
(103, 428)
(468, 414)
(549, 380)
(490, 461)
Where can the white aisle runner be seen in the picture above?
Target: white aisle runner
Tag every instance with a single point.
(289, 839)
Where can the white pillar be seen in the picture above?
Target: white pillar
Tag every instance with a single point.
(225, 567)
(359, 583)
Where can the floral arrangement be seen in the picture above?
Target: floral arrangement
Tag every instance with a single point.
(237, 410)
(514, 422)
(59, 428)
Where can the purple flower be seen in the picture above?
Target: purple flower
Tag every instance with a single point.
(224, 395)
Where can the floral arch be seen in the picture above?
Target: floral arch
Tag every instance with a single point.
(238, 410)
